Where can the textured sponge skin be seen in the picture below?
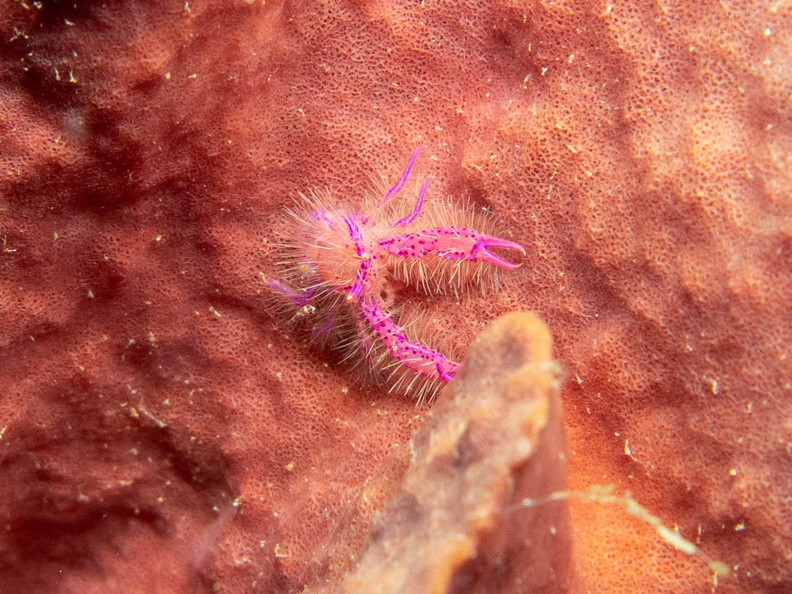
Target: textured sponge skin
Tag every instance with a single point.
(159, 427)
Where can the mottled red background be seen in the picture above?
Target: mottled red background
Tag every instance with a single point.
(160, 430)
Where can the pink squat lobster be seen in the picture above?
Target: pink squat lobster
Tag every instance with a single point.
(343, 264)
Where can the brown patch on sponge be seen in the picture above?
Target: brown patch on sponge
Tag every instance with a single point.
(496, 438)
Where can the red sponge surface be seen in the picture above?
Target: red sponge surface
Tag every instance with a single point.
(161, 429)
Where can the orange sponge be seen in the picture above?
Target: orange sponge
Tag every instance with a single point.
(160, 425)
